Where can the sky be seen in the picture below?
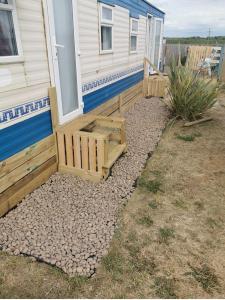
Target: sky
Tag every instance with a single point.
(193, 17)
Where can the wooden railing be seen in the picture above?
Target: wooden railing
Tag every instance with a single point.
(154, 85)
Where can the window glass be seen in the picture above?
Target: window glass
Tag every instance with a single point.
(4, 2)
(106, 13)
(157, 42)
(133, 43)
(134, 26)
(8, 46)
(106, 38)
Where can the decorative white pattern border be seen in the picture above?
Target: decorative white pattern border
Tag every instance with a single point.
(104, 81)
(23, 111)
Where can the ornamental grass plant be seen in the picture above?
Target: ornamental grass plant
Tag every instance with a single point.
(190, 95)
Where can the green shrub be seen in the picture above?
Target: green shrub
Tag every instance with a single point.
(191, 95)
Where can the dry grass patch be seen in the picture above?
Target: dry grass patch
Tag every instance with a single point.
(205, 276)
(164, 288)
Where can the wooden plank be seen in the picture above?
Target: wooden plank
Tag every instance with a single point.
(84, 152)
(61, 148)
(15, 194)
(188, 124)
(20, 158)
(131, 92)
(109, 124)
(92, 154)
(100, 155)
(94, 134)
(26, 168)
(69, 150)
(114, 154)
(77, 152)
(120, 102)
(131, 102)
(111, 119)
(86, 175)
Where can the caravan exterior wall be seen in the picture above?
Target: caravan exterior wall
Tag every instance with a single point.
(24, 103)
(104, 75)
(24, 82)
(112, 45)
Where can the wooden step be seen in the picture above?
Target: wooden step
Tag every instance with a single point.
(115, 151)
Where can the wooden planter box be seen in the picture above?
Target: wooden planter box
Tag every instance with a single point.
(91, 150)
(155, 86)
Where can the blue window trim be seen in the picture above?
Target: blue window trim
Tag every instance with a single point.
(136, 7)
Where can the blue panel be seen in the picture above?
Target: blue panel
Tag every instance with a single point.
(137, 7)
(100, 96)
(16, 138)
(134, 15)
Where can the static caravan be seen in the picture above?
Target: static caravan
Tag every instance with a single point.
(80, 54)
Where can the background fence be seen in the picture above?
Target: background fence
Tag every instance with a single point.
(171, 52)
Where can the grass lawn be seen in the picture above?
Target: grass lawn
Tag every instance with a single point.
(171, 238)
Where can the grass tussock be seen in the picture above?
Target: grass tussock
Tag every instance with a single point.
(143, 264)
(145, 220)
(191, 96)
(165, 234)
(113, 262)
(164, 288)
(153, 186)
(153, 204)
(205, 276)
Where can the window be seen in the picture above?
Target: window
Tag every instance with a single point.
(158, 41)
(133, 35)
(10, 48)
(106, 29)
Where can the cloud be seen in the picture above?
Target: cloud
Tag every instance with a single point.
(193, 17)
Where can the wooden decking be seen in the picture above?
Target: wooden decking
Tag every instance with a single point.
(25, 171)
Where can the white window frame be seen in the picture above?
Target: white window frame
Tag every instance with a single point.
(105, 23)
(152, 36)
(14, 58)
(134, 33)
(161, 39)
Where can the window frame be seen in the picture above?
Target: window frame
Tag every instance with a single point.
(105, 23)
(161, 39)
(135, 34)
(11, 6)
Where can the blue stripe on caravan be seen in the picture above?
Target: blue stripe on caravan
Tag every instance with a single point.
(16, 138)
(100, 96)
(137, 7)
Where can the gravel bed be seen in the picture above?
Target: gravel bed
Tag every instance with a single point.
(69, 222)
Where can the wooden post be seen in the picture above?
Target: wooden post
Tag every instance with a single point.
(54, 107)
(54, 116)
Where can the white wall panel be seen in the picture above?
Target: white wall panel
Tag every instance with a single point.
(95, 65)
(30, 78)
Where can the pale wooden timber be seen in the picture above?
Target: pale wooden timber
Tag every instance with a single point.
(90, 145)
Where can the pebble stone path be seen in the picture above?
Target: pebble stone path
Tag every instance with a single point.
(69, 222)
